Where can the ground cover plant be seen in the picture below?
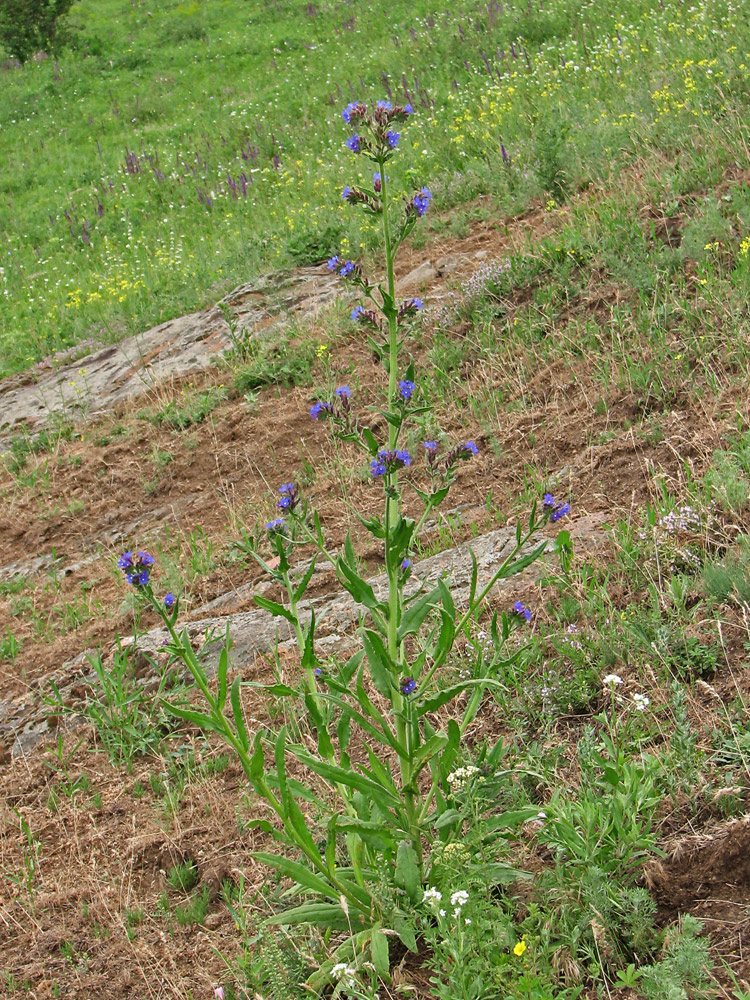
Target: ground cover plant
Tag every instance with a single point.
(571, 763)
(189, 155)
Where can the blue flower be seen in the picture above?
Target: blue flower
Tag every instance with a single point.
(353, 143)
(404, 457)
(386, 105)
(346, 114)
(139, 579)
(347, 268)
(169, 600)
(430, 447)
(377, 467)
(392, 138)
(125, 561)
(284, 503)
(286, 488)
(276, 527)
(406, 388)
(415, 303)
(408, 685)
(343, 392)
(522, 611)
(548, 500)
(317, 408)
(471, 448)
(406, 564)
(422, 200)
(357, 312)
(345, 193)
(408, 109)
(137, 571)
(332, 263)
(145, 559)
(560, 512)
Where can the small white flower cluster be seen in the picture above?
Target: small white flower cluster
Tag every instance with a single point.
(461, 777)
(640, 701)
(344, 974)
(459, 899)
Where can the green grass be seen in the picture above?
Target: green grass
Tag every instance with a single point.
(152, 110)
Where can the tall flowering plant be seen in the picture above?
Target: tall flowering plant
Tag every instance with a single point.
(366, 869)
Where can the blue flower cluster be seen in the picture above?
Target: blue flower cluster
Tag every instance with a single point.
(136, 567)
(289, 497)
(522, 611)
(421, 201)
(408, 685)
(276, 527)
(406, 387)
(389, 461)
(558, 510)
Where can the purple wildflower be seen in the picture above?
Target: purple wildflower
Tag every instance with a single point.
(408, 685)
(406, 564)
(357, 312)
(346, 114)
(345, 193)
(276, 527)
(125, 561)
(169, 600)
(385, 105)
(317, 408)
(406, 387)
(471, 448)
(393, 138)
(408, 109)
(548, 500)
(347, 268)
(353, 143)
(422, 201)
(332, 263)
(522, 611)
(560, 512)
(343, 392)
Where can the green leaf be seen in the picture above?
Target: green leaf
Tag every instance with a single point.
(522, 562)
(448, 694)
(407, 871)
(427, 751)
(360, 590)
(298, 872)
(221, 695)
(370, 440)
(416, 613)
(383, 671)
(379, 952)
(239, 719)
(328, 915)
(405, 932)
(338, 775)
(276, 609)
(302, 585)
(447, 818)
(276, 690)
(375, 833)
(190, 715)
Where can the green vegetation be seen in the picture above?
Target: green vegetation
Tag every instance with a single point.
(196, 144)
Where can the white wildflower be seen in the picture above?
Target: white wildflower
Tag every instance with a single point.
(641, 702)
(612, 680)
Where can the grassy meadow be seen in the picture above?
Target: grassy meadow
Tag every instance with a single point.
(172, 153)
(578, 746)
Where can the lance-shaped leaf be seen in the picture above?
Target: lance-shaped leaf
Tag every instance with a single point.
(299, 873)
(302, 585)
(197, 718)
(276, 609)
(415, 613)
(383, 670)
(239, 718)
